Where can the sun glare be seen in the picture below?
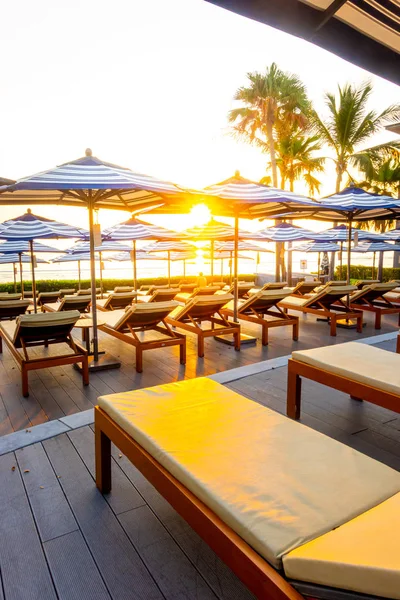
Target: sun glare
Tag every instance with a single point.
(200, 214)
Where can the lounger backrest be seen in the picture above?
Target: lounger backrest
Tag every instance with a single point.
(219, 284)
(119, 300)
(206, 291)
(10, 309)
(46, 297)
(372, 292)
(37, 328)
(145, 314)
(335, 283)
(6, 296)
(202, 306)
(264, 300)
(360, 283)
(187, 287)
(274, 285)
(87, 292)
(122, 289)
(164, 295)
(80, 303)
(66, 292)
(330, 294)
(305, 287)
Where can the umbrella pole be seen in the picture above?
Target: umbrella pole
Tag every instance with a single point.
(15, 277)
(93, 279)
(33, 276)
(341, 261)
(319, 263)
(184, 268)
(222, 269)
(235, 270)
(20, 274)
(380, 266)
(169, 268)
(79, 274)
(373, 265)
(101, 277)
(349, 252)
(332, 267)
(134, 265)
(230, 269)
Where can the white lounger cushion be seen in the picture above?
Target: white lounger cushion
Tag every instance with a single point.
(362, 555)
(275, 482)
(360, 362)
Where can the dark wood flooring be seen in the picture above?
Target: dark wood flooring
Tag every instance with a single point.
(61, 539)
(58, 391)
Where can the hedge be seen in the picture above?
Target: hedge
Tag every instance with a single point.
(53, 285)
(362, 272)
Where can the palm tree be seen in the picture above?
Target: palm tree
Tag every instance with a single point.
(296, 160)
(350, 123)
(270, 99)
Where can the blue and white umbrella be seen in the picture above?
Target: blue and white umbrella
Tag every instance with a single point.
(78, 258)
(341, 233)
(29, 227)
(355, 204)
(286, 232)
(106, 246)
(375, 247)
(92, 183)
(171, 256)
(320, 247)
(169, 247)
(19, 246)
(8, 259)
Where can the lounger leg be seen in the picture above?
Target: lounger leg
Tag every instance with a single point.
(236, 337)
(378, 319)
(293, 405)
(182, 353)
(85, 371)
(200, 346)
(296, 331)
(24, 378)
(333, 325)
(139, 360)
(103, 461)
(264, 335)
(360, 324)
(398, 344)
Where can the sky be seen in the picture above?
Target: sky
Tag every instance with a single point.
(147, 85)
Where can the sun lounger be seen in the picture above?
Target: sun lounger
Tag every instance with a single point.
(198, 291)
(305, 287)
(160, 295)
(6, 296)
(47, 298)
(262, 309)
(243, 288)
(66, 292)
(80, 303)
(88, 292)
(360, 370)
(201, 309)
(328, 304)
(360, 283)
(187, 287)
(43, 329)
(375, 298)
(146, 290)
(125, 325)
(277, 501)
(115, 301)
(10, 309)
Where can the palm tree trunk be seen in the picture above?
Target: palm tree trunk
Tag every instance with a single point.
(274, 170)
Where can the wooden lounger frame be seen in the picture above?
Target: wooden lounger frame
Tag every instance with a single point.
(355, 389)
(379, 307)
(260, 577)
(340, 312)
(27, 364)
(281, 319)
(171, 338)
(219, 326)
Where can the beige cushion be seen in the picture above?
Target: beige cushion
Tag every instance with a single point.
(360, 362)
(277, 483)
(54, 306)
(295, 301)
(362, 555)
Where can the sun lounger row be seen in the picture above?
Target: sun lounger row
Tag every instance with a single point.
(285, 507)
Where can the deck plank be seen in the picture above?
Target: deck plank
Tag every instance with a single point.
(73, 569)
(120, 565)
(24, 569)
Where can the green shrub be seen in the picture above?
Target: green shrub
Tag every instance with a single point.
(53, 285)
(362, 272)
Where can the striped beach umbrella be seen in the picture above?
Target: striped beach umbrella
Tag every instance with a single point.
(92, 183)
(243, 245)
(78, 258)
(29, 227)
(173, 257)
(286, 232)
(14, 259)
(135, 229)
(375, 247)
(355, 204)
(170, 247)
(106, 246)
(320, 247)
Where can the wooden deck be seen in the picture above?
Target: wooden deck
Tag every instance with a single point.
(61, 539)
(57, 392)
